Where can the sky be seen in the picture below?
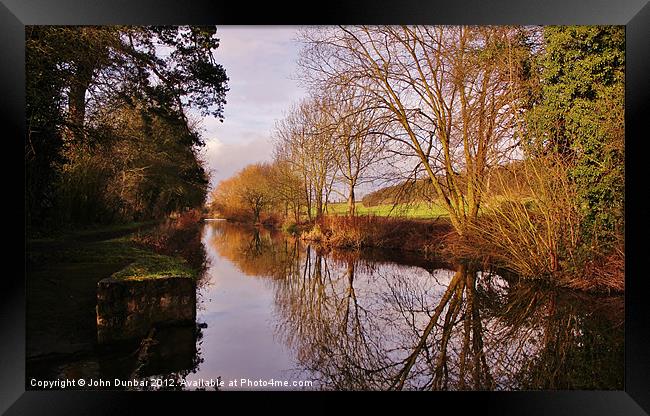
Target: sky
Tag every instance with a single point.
(260, 62)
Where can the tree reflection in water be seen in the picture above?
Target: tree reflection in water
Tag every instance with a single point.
(362, 324)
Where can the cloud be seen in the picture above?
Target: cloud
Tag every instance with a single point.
(260, 62)
(225, 159)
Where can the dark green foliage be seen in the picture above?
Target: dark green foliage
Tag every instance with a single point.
(580, 116)
(44, 84)
(583, 337)
(109, 137)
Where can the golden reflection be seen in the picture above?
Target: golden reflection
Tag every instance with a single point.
(256, 251)
(363, 324)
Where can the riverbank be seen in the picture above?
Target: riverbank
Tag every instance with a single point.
(62, 276)
(404, 234)
(436, 238)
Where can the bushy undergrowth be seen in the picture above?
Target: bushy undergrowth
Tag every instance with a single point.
(535, 230)
(180, 237)
(381, 232)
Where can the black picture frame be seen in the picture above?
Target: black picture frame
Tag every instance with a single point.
(634, 14)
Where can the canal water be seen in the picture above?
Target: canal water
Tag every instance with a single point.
(276, 313)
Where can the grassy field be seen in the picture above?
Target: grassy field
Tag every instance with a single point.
(417, 210)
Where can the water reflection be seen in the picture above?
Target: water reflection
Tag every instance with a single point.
(128, 309)
(255, 251)
(352, 321)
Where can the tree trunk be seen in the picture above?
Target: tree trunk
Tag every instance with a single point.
(256, 214)
(351, 202)
(319, 201)
(77, 102)
(309, 200)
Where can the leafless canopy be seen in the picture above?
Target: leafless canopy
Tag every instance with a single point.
(448, 93)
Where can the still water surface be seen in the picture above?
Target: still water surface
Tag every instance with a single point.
(277, 309)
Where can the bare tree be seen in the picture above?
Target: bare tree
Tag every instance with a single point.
(446, 88)
(287, 185)
(305, 139)
(358, 138)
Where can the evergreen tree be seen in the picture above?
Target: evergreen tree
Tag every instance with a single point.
(580, 116)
